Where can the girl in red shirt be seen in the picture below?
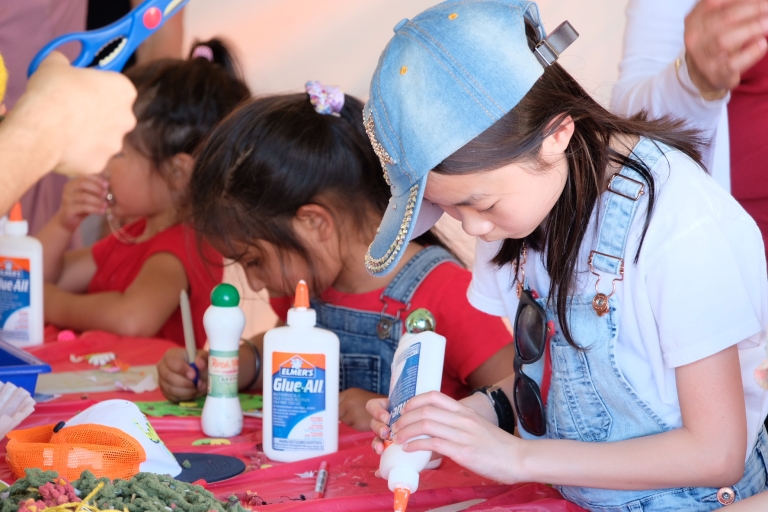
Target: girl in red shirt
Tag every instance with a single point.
(130, 282)
(290, 188)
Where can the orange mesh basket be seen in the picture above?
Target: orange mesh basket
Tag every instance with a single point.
(105, 451)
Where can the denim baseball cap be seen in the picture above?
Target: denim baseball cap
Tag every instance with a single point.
(445, 77)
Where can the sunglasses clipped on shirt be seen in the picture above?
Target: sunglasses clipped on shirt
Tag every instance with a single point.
(531, 336)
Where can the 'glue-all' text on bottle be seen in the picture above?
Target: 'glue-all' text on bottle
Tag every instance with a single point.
(301, 386)
(224, 322)
(21, 283)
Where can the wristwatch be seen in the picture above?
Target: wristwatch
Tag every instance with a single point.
(505, 415)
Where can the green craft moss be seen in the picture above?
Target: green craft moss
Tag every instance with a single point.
(145, 492)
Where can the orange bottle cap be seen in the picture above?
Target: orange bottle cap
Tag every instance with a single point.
(16, 213)
(302, 295)
(401, 499)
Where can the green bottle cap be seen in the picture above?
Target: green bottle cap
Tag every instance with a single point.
(225, 296)
(420, 320)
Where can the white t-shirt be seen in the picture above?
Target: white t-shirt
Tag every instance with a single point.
(698, 287)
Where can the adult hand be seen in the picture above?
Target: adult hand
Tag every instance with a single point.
(723, 39)
(177, 377)
(352, 407)
(458, 432)
(81, 197)
(78, 115)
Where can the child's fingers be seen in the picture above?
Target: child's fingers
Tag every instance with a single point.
(174, 361)
(377, 407)
(201, 360)
(378, 445)
(174, 386)
(86, 202)
(94, 184)
(192, 374)
(379, 428)
(177, 394)
(176, 379)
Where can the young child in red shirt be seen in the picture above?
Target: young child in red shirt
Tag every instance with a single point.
(129, 283)
(290, 188)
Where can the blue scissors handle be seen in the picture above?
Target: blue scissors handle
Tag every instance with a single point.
(132, 29)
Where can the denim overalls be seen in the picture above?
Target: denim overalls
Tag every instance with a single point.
(589, 398)
(366, 357)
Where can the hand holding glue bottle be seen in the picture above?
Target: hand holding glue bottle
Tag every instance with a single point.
(224, 322)
(417, 367)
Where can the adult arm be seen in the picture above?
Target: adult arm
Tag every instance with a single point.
(69, 120)
(139, 311)
(653, 73)
(681, 58)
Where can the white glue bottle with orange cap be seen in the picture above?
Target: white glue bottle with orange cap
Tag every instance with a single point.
(301, 386)
(21, 283)
(417, 367)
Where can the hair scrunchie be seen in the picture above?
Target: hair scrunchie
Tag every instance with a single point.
(325, 99)
(204, 52)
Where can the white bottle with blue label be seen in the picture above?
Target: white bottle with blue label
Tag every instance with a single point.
(21, 283)
(417, 367)
(224, 322)
(301, 386)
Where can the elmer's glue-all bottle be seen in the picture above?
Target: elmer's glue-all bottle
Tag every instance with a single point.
(301, 386)
(224, 322)
(417, 367)
(21, 283)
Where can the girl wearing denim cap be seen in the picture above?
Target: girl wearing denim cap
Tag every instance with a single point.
(636, 285)
(289, 187)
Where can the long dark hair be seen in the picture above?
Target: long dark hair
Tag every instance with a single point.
(180, 101)
(272, 156)
(518, 136)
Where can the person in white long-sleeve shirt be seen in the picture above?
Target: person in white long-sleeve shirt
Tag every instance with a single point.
(704, 61)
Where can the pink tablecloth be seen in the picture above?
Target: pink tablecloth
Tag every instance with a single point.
(351, 486)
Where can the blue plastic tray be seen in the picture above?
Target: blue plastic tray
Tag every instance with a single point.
(20, 368)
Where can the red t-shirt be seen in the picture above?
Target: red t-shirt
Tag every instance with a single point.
(472, 336)
(118, 264)
(747, 125)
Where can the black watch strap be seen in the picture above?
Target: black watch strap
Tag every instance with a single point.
(505, 415)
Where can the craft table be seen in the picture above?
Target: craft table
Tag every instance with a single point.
(351, 486)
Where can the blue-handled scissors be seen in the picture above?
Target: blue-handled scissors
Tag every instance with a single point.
(129, 32)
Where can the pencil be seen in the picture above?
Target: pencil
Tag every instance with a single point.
(189, 331)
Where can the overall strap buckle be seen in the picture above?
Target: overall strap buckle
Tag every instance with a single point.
(386, 323)
(600, 301)
(632, 190)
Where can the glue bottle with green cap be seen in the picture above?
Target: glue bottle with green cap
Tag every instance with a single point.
(301, 386)
(224, 322)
